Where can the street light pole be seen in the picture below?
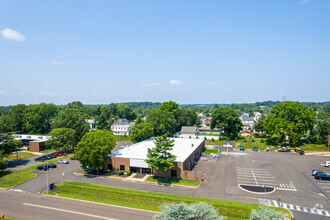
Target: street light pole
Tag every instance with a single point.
(47, 174)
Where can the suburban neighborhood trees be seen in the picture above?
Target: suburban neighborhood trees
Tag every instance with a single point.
(259, 126)
(7, 145)
(160, 157)
(61, 138)
(226, 119)
(290, 119)
(163, 122)
(93, 149)
(141, 131)
(193, 211)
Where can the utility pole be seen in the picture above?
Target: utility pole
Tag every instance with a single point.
(328, 142)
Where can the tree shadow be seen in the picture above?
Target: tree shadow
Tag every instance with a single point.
(4, 173)
(15, 163)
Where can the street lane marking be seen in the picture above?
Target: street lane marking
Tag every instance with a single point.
(68, 211)
(326, 213)
(305, 209)
(298, 208)
(254, 177)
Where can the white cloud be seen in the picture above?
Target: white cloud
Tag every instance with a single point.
(175, 82)
(10, 34)
(55, 63)
(150, 84)
(305, 2)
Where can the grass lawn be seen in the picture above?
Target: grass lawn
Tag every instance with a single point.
(173, 181)
(210, 151)
(21, 155)
(147, 200)
(120, 138)
(249, 144)
(10, 179)
(45, 151)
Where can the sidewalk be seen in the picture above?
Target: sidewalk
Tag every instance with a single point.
(136, 179)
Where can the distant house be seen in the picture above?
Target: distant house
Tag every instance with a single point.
(208, 130)
(257, 116)
(248, 123)
(228, 144)
(187, 130)
(203, 118)
(119, 128)
(91, 123)
(245, 133)
(208, 121)
(122, 120)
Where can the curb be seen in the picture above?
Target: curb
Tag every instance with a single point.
(259, 193)
(98, 203)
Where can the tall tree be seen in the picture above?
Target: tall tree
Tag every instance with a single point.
(72, 118)
(17, 113)
(141, 131)
(160, 157)
(163, 122)
(259, 126)
(169, 107)
(94, 148)
(186, 117)
(61, 138)
(226, 119)
(138, 120)
(290, 119)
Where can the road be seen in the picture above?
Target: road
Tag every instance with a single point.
(20, 205)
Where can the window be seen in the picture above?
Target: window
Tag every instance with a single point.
(122, 167)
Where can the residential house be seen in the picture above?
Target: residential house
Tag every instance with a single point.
(248, 123)
(188, 131)
(122, 120)
(119, 128)
(91, 123)
(245, 133)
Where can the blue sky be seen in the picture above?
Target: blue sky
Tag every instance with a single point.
(190, 51)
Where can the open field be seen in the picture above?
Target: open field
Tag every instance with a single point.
(249, 144)
(146, 200)
(174, 181)
(10, 179)
(120, 138)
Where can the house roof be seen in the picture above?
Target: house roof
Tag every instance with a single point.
(182, 149)
(208, 128)
(188, 129)
(119, 123)
(247, 119)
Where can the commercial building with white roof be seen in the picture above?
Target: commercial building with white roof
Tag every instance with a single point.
(132, 158)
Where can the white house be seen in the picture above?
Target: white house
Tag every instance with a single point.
(91, 124)
(119, 128)
(248, 123)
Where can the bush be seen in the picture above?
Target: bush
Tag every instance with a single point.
(253, 140)
(267, 213)
(205, 138)
(244, 140)
(122, 172)
(236, 139)
(212, 139)
(193, 211)
(189, 136)
(262, 140)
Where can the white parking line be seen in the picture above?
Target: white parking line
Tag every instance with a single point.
(254, 177)
(305, 209)
(68, 211)
(326, 213)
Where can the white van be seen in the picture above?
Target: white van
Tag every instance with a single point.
(327, 163)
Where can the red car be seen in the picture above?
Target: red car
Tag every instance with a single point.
(58, 154)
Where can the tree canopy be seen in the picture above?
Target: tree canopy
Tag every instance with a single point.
(141, 131)
(226, 119)
(160, 157)
(93, 149)
(163, 122)
(61, 138)
(290, 119)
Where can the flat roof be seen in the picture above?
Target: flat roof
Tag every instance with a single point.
(182, 149)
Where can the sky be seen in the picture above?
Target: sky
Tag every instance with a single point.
(188, 51)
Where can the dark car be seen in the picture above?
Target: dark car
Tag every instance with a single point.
(51, 165)
(41, 159)
(38, 159)
(314, 171)
(322, 176)
(42, 167)
(51, 156)
(316, 174)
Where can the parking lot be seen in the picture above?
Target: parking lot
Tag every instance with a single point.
(322, 185)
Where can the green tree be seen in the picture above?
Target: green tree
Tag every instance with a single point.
(5, 125)
(141, 131)
(265, 213)
(61, 138)
(138, 120)
(186, 117)
(163, 122)
(72, 118)
(290, 119)
(226, 119)
(259, 126)
(160, 157)
(93, 149)
(7, 144)
(193, 211)
(17, 116)
(169, 107)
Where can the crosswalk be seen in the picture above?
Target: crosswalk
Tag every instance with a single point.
(286, 186)
(275, 203)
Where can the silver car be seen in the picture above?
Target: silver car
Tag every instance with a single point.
(64, 161)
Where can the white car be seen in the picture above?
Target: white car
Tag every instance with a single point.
(327, 163)
(64, 161)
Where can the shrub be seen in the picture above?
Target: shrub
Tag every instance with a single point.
(236, 139)
(262, 140)
(196, 137)
(267, 213)
(244, 140)
(189, 136)
(253, 140)
(212, 139)
(193, 211)
(205, 138)
(122, 172)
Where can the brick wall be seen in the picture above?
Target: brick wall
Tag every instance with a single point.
(37, 146)
(117, 161)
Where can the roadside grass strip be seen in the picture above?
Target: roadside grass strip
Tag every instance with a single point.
(210, 151)
(9, 179)
(173, 181)
(147, 200)
(21, 155)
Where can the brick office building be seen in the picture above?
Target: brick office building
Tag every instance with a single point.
(187, 152)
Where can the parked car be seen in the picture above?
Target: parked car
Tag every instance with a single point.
(58, 154)
(52, 165)
(322, 176)
(64, 161)
(284, 149)
(314, 171)
(327, 163)
(42, 167)
(51, 156)
(288, 149)
(255, 149)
